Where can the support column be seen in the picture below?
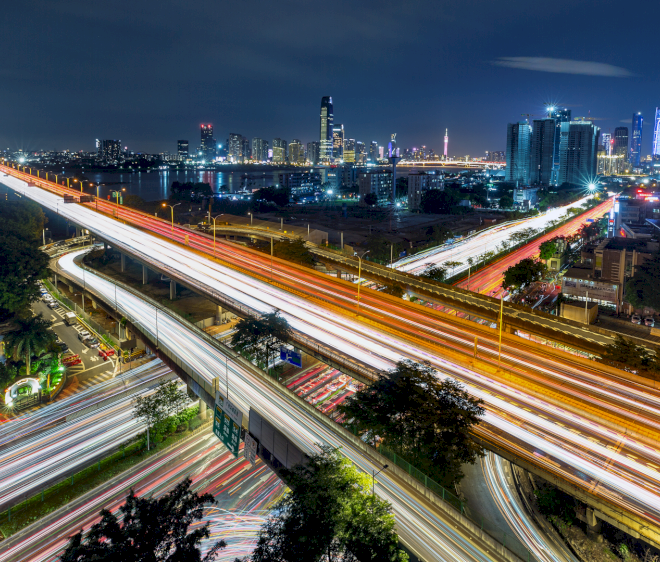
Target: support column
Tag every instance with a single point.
(202, 409)
(55, 281)
(219, 314)
(145, 275)
(78, 232)
(123, 262)
(172, 289)
(341, 244)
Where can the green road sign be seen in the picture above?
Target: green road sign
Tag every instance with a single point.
(227, 421)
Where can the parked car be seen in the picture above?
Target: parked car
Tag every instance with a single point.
(47, 298)
(82, 336)
(649, 321)
(53, 304)
(636, 319)
(63, 346)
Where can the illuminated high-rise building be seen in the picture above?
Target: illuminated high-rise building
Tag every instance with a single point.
(373, 152)
(296, 152)
(182, 148)
(656, 134)
(446, 143)
(109, 151)
(560, 116)
(337, 141)
(621, 142)
(279, 150)
(313, 151)
(327, 118)
(636, 139)
(235, 147)
(360, 153)
(518, 147)
(606, 141)
(578, 152)
(543, 149)
(349, 150)
(259, 150)
(208, 142)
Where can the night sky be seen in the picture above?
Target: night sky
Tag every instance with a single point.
(150, 72)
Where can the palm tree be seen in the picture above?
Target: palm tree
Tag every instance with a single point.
(30, 338)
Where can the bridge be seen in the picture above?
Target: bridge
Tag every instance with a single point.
(544, 407)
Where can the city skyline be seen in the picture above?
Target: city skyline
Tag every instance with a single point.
(149, 93)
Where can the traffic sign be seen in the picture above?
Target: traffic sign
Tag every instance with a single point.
(250, 449)
(227, 420)
(291, 356)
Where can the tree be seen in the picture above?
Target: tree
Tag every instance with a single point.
(174, 399)
(548, 249)
(424, 419)
(193, 192)
(439, 233)
(506, 202)
(134, 201)
(642, 287)
(32, 337)
(329, 515)
(523, 274)
(453, 265)
(380, 248)
(627, 355)
(148, 530)
(435, 201)
(22, 264)
(152, 410)
(278, 196)
(260, 336)
(370, 199)
(432, 271)
(294, 250)
(394, 289)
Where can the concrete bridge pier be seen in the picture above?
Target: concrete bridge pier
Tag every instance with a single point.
(145, 275)
(78, 231)
(202, 409)
(172, 289)
(219, 314)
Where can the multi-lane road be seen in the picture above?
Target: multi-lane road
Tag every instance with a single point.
(572, 418)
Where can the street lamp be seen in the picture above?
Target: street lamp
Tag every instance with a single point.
(251, 217)
(116, 195)
(214, 219)
(373, 479)
(172, 210)
(360, 274)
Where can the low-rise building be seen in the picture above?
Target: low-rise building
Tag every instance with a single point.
(378, 182)
(526, 197)
(418, 183)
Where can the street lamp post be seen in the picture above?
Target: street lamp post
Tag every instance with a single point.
(172, 212)
(373, 479)
(214, 219)
(251, 217)
(359, 257)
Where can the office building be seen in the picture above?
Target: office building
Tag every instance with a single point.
(526, 197)
(182, 149)
(208, 147)
(235, 147)
(325, 141)
(420, 182)
(621, 141)
(518, 147)
(360, 153)
(636, 140)
(300, 182)
(560, 116)
(279, 150)
(338, 141)
(606, 141)
(381, 152)
(296, 152)
(496, 156)
(578, 152)
(109, 151)
(349, 150)
(656, 134)
(313, 152)
(378, 182)
(259, 150)
(373, 152)
(543, 149)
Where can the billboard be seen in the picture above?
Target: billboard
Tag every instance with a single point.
(291, 356)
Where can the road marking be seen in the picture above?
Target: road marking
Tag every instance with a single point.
(57, 324)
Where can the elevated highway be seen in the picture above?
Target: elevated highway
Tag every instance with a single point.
(581, 421)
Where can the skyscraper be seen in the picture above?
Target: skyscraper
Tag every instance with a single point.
(279, 150)
(208, 142)
(360, 153)
(109, 151)
(578, 150)
(606, 141)
(338, 141)
(656, 133)
(259, 150)
(349, 150)
(182, 148)
(326, 129)
(313, 150)
(373, 152)
(621, 141)
(560, 116)
(543, 149)
(296, 152)
(636, 140)
(235, 147)
(518, 146)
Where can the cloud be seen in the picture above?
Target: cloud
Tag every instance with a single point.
(627, 121)
(564, 66)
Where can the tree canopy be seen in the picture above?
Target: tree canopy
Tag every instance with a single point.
(506, 202)
(642, 287)
(278, 196)
(548, 249)
(436, 201)
(260, 337)
(330, 515)
(523, 274)
(295, 250)
(148, 530)
(22, 264)
(190, 191)
(629, 356)
(434, 272)
(424, 419)
(370, 199)
(31, 337)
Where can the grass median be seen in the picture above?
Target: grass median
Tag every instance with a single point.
(59, 495)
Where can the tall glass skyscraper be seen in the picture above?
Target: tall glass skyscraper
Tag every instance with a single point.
(578, 148)
(518, 146)
(208, 142)
(560, 116)
(636, 140)
(543, 147)
(656, 133)
(338, 141)
(327, 118)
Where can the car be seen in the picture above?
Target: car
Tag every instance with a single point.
(47, 298)
(636, 319)
(83, 335)
(53, 304)
(64, 347)
(649, 321)
(92, 342)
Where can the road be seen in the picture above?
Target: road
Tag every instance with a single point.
(243, 492)
(491, 239)
(568, 417)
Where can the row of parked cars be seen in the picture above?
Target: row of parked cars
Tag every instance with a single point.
(648, 320)
(47, 297)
